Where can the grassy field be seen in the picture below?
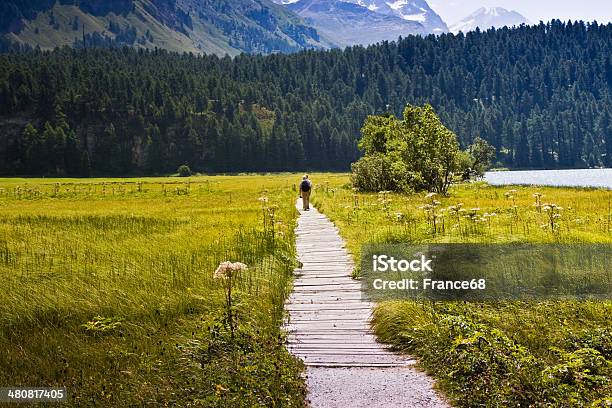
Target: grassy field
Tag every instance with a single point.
(108, 290)
(494, 354)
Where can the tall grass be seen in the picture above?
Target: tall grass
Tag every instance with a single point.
(109, 290)
(494, 354)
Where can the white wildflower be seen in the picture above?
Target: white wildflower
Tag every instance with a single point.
(227, 269)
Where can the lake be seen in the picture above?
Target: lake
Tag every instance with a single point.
(566, 178)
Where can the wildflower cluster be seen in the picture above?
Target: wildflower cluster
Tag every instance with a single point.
(538, 201)
(511, 195)
(554, 214)
(268, 215)
(430, 210)
(384, 200)
(228, 269)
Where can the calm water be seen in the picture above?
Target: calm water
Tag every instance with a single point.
(571, 178)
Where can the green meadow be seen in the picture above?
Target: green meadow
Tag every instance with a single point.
(110, 290)
(493, 354)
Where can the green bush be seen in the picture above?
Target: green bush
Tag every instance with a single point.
(415, 153)
(482, 366)
(378, 173)
(599, 338)
(184, 171)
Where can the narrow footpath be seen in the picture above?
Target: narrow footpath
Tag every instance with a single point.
(329, 329)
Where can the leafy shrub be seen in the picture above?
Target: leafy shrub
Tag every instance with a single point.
(379, 173)
(578, 377)
(481, 366)
(415, 153)
(482, 362)
(599, 338)
(372, 173)
(184, 171)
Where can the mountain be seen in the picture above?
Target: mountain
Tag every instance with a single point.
(199, 26)
(350, 23)
(487, 17)
(409, 10)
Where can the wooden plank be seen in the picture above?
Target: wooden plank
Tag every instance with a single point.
(363, 361)
(328, 275)
(339, 289)
(313, 270)
(360, 313)
(320, 298)
(347, 308)
(331, 333)
(324, 321)
(334, 283)
(331, 339)
(376, 354)
(366, 344)
(313, 326)
(325, 303)
(365, 347)
(329, 364)
(326, 298)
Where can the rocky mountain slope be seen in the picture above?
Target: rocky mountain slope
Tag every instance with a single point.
(408, 10)
(199, 26)
(349, 22)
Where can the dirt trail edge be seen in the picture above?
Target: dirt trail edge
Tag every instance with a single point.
(329, 329)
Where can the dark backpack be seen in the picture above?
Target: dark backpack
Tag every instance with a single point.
(305, 186)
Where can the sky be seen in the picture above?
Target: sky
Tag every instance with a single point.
(535, 10)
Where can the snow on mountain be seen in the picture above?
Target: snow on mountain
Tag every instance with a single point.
(487, 17)
(409, 10)
(349, 23)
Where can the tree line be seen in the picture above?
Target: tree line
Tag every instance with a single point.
(540, 95)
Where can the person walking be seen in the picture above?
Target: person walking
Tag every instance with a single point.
(305, 187)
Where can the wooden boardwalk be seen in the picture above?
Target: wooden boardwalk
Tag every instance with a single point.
(329, 318)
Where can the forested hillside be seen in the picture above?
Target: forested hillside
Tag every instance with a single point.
(541, 95)
(199, 26)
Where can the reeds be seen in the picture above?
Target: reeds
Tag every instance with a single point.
(130, 263)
